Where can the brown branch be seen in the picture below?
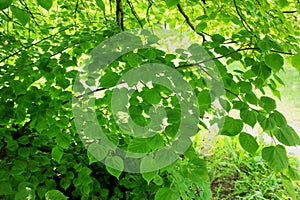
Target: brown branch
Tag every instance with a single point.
(245, 24)
(148, 10)
(287, 53)
(10, 18)
(290, 12)
(120, 14)
(76, 9)
(188, 21)
(135, 14)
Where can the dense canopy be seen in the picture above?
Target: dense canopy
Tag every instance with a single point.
(52, 77)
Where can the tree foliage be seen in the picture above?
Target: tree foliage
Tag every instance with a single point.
(42, 44)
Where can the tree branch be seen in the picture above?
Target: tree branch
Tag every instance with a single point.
(245, 24)
(25, 5)
(290, 12)
(10, 18)
(134, 13)
(188, 21)
(148, 10)
(217, 58)
(76, 8)
(120, 14)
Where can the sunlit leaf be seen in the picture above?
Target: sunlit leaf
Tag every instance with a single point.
(46, 4)
(276, 157)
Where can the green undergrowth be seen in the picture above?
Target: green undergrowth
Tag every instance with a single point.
(235, 174)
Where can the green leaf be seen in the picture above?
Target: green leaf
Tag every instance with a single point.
(114, 165)
(5, 4)
(232, 126)
(96, 152)
(148, 164)
(46, 4)
(57, 153)
(267, 103)
(24, 152)
(55, 195)
(275, 61)
(201, 26)
(204, 98)
(149, 176)
(100, 4)
(158, 180)
(171, 3)
(166, 193)
(222, 50)
(245, 87)
(21, 15)
(152, 96)
(248, 142)
(249, 61)
(276, 157)
(248, 117)
(266, 123)
(265, 44)
(294, 173)
(261, 70)
(288, 184)
(6, 188)
(287, 136)
(218, 38)
(251, 98)
(171, 130)
(279, 119)
(63, 140)
(109, 80)
(25, 193)
(197, 176)
(138, 145)
(296, 61)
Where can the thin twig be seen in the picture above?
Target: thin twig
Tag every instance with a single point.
(76, 8)
(27, 9)
(10, 18)
(233, 52)
(217, 58)
(188, 21)
(288, 53)
(148, 10)
(245, 24)
(290, 12)
(135, 14)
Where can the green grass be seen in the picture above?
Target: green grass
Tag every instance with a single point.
(237, 175)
